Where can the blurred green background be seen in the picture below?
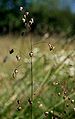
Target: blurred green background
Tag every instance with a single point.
(53, 16)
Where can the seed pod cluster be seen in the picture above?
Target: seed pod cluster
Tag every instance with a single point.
(27, 21)
(19, 107)
(50, 47)
(11, 51)
(46, 114)
(31, 54)
(21, 8)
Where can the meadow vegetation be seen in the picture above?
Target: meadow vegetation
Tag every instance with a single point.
(53, 76)
(37, 62)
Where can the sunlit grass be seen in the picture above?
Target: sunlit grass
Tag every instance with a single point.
(53, 75)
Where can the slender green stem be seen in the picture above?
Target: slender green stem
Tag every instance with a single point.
(31, 82)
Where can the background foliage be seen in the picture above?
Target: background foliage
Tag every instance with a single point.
(48, 15)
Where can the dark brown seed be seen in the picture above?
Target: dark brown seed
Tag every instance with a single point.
(18, 58)
(19, 108)
(50, 47)
(64, 97)
(18, 101)
(64, 111)
(68, 98)
(31, 54)
(11, 51)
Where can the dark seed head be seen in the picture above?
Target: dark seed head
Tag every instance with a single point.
(30, 102)
(11, 51)
(31, 54)
(19, 108)
(21, 8)
(64, 97)
(50, 47)
(64, 112)
(15, 71)
(18, 57)
(18, 101)
(72, 101)
(27, 13)
(46, 113)
(68, 98)
(65, 92)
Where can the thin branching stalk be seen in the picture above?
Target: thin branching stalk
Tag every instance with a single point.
(31, 80)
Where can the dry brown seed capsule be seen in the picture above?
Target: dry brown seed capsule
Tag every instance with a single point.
(50, 47)
(59, 94)
(31, 54)
(21, 8)
(15, 71)
(18, 101)
(72, 101)
(23, 19)
(18, 57)
(64, 97)
(46, 113)
(19, 108)
(27, 13)
(57, 83)
(65, 92)
(11, 51)
(68, 98)
(64, 111)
